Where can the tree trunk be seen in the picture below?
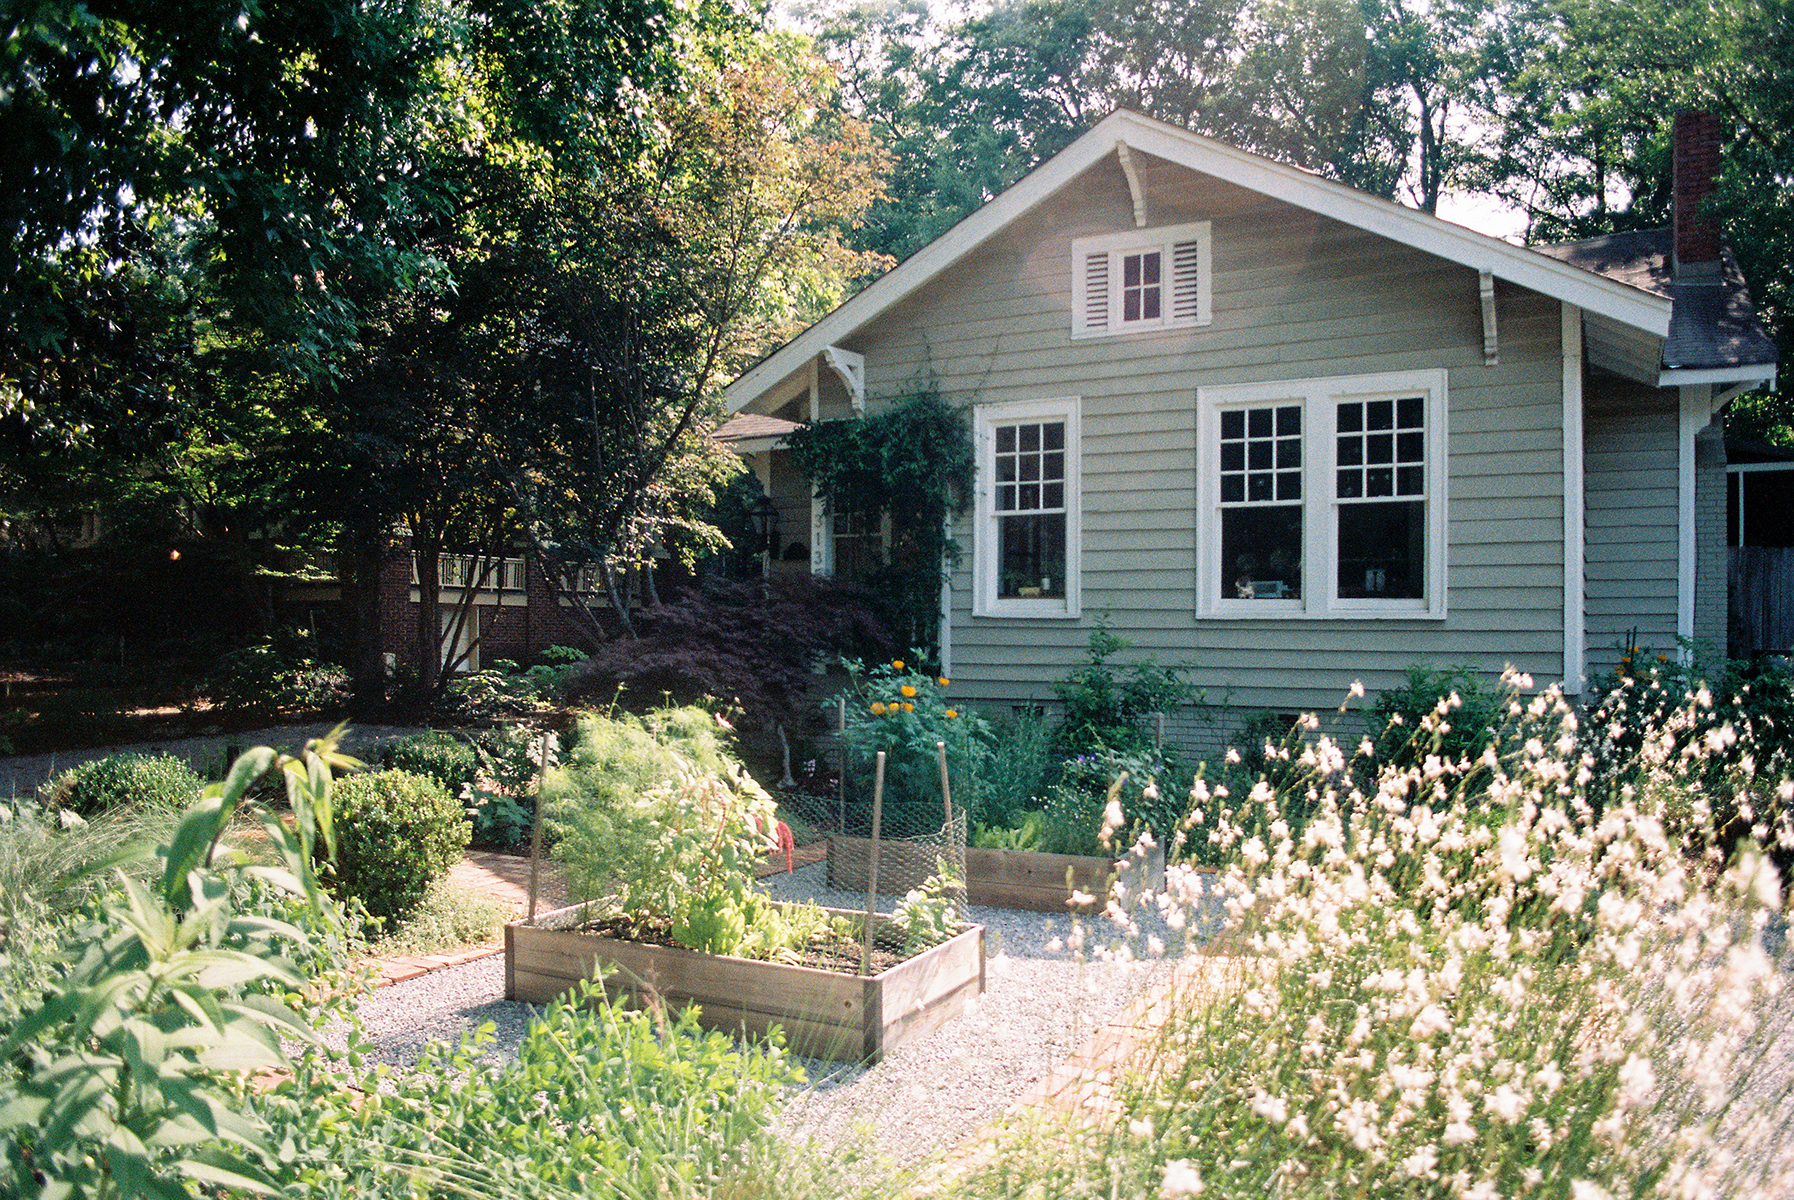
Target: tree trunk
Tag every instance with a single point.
(363, 560)
(427, 635)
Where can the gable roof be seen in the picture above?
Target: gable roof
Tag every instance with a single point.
(1618, 300)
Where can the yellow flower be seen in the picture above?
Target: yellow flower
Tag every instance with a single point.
(908, 690)
(951, 713)
(943, 681)
(896, 664)
(878, 708)
(907, 707)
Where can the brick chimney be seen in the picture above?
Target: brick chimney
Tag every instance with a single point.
(1695, 149)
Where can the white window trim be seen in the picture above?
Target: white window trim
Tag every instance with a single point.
(1114, 245)
(1320, 599)
(985, 602)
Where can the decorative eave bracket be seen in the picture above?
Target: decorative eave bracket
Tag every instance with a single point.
(851, 368)
(1133, 183)
(1485, 284)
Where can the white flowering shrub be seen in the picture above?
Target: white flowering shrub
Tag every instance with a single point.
(1436, 990)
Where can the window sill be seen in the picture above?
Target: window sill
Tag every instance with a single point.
(1032, 610)
(1276, 611)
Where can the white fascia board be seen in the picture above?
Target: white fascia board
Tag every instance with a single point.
(1409, 226)
(1588, 291)
(1749, 376)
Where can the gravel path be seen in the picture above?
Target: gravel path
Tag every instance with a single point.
(1042, 1001)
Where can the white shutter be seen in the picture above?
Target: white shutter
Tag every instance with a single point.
(1187, 307)
(1093, 301)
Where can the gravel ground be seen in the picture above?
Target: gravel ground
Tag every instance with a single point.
(1042, 1001)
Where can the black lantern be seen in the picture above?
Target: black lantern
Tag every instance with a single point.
(765, 515)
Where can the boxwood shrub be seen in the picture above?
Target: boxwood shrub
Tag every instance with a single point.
(396, 833)
(149, 780)
(449, 760)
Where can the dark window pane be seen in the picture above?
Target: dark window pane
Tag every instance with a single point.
(1258, 422)
(1410, 481)
(1351, 451)
(1289, 421)
(1130, 271)
(1150, 305)
(1379, 481)
(1351, 418)
(1052, 437)
(1028, 496)
(1258, 487)
(1030, 437)
(1031, 550)
(1379, 414)
(1052, 466)
(1005, 498)
(1149, 268)
(1006, 469)
(1005, 439)
(1052, 495)
(1379, 448)
(1410, 447)
(1030, 465)
(1410, 412)
(1233, 423)
(1351, 484)
(1261, 553)
(1233, 456)
(1233, 489)
(1382, 551)
(1130, 306)
(1289, 453)
(1289, 485)
(1258, 455)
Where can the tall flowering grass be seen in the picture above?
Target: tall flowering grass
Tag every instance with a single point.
(1457, 978)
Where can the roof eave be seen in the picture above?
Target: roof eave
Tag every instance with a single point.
(1516, 264)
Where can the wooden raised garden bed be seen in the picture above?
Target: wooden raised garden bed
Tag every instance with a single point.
(824, 1014)
(1023, 879)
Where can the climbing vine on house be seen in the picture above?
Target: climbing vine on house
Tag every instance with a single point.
(912, 461)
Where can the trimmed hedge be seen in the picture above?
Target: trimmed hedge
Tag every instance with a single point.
(396, 833)
(151, 780)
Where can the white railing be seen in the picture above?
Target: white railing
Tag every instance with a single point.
(463, 570)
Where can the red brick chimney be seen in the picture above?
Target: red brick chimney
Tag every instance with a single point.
(1695, 149)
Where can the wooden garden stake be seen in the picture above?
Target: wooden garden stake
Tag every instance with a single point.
(878, 806)
(535, 826)
(940, 748)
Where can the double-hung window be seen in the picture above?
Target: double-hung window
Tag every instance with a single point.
(1323, 497)
(1025, 547)
(1141, 280)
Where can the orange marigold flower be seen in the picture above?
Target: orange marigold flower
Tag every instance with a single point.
(907, 707)
(896, 664)
(951, 713)
(944, 681)
(908, 690)
(878, 708)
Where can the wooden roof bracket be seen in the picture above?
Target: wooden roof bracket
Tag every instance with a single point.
(1485, 284)
(851, 368)
(1133, 183)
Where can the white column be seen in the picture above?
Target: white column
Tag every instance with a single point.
(1575, 557)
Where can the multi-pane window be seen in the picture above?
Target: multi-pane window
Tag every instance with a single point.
(1380, 486)
(1261, 501)
(1345, 476)
(1140, 286)
(1141, 279)
(1026, 540)
(1029, 480)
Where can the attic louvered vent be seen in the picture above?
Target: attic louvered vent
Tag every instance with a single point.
(1121, 279)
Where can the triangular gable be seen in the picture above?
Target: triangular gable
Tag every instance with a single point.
(1629, 306)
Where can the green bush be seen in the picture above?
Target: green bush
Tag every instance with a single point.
(396, 833)
(279, 674)
(1106, 706)
(1451, 714)
(449, 760)
(148, 780)
(902, 709)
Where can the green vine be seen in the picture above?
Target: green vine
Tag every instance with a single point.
(912, 460)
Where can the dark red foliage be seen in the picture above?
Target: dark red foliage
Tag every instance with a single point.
(754, 644)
